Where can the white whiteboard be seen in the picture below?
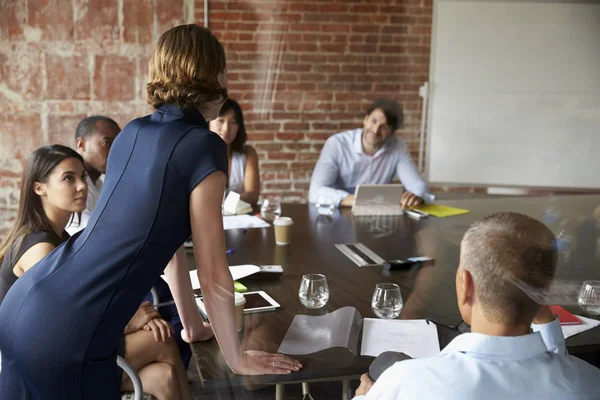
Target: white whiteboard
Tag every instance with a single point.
(515, 94)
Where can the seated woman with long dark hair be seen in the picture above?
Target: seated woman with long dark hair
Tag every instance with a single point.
(53, 189)
(243, 161)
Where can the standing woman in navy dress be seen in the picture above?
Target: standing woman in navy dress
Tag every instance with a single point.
(62, 320)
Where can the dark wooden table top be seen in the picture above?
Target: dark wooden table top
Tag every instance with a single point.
(427, 291)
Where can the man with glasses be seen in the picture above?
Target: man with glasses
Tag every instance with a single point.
(506, 261)
(372, 154)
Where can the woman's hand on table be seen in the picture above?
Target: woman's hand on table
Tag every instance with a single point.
(254, 362)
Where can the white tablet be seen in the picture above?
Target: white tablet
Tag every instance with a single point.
(256, 302)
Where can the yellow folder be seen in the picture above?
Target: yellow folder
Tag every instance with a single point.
(440, 211)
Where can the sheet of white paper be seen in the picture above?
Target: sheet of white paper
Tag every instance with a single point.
(415, 338)
(243, 222)
(237, 272)
(586, 324)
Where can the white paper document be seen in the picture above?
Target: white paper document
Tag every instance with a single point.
(586, 324)
(237, 272)
(415, 338)
(243, 222)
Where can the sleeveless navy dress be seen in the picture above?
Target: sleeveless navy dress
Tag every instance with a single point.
(60, 323)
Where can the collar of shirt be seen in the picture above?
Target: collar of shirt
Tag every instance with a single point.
(190, 115)
(357, 144)
(498, 347)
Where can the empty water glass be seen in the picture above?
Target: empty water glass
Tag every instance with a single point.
(313, 292)
(271, 208)
(589, 297)
(325, 205)
(387, 301)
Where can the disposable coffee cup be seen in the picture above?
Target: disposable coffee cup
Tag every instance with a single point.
(283, 226)
(240, 302)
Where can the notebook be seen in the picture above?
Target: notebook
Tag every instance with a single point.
(233, 205)
(565, 317)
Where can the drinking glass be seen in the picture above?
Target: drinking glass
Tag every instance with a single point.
(325, 205)
(271, 208)
(313, 292)
(387, 301)
(589, 297)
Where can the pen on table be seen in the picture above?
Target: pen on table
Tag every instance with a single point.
(230, 251)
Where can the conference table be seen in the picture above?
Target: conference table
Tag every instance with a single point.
(428, 291)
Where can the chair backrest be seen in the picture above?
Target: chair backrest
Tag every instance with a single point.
(138, 390)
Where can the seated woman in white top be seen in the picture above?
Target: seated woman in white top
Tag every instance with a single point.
(243, 161)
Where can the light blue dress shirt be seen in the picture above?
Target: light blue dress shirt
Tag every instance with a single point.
(343, 165)
(475, 366)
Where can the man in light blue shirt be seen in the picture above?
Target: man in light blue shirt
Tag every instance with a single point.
(371, 155)
(501, 358)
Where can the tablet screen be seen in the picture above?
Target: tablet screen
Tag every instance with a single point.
(255, 300)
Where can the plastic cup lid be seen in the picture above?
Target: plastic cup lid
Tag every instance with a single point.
(239, 299)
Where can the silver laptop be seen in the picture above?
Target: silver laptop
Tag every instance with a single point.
(378, 200)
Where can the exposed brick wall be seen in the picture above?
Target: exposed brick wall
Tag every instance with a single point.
(302, 70)
(305, 69)
(61, 60)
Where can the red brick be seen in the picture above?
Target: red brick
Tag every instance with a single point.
(61, 129)
(53, 17)
(365, 28)
(318, 136)
(297, 67)
(98, 20)
(304, 7)
(138, 18)
(394, 29)
(297, 147)
(268, 147)
(20, 134)
(281, 156)
(303, 47)
(277, 185)
(295, 126)
(260, 136)
(362, 8)
(420, 30)
(273, 166)
(302, 165)
(304, 27)
(308, 156)
(169, 13)
(12, 19)
(343, 78)
(290, 136)
(114, 78)
(392, 49)
(327, 68)
(335, 28)
(68, 77)
(21, 71)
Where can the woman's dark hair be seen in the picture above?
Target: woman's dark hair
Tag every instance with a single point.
(185, 67)
(241, 137)
(31, 215)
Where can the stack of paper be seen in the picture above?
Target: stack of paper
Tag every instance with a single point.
(415, 338)
(244, 222)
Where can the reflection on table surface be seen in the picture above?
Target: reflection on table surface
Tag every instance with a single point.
(427, 291)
